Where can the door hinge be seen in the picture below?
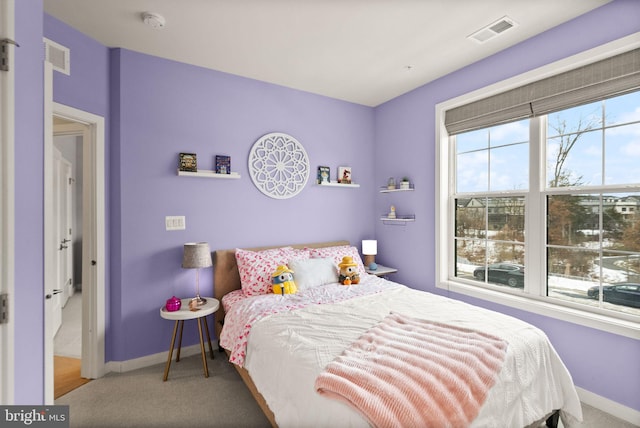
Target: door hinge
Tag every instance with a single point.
(4, 308)
(4, 53)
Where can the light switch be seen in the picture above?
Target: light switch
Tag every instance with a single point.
(175, 222)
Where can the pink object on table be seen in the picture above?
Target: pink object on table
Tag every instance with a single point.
(173, 304)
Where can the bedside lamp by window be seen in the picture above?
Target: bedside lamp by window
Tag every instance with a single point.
(196, 256)
(369, 250)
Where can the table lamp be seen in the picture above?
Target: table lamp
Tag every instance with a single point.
(197, 255)
(369, 250)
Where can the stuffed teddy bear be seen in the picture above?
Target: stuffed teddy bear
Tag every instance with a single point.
(348, 271)
(282, 280)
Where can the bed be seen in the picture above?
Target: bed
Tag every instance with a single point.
(296, 352)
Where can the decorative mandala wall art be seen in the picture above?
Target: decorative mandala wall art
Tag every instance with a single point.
(279, 165)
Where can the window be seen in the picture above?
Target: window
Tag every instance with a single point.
(491, 181)
(543, 209)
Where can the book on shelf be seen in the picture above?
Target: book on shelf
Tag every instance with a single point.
(188, 162)
(223, 164)
(324, 174)
(344, 175)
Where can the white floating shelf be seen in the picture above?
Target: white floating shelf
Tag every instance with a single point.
(338, 185)
(385, 190)
(208, 174)
(399, 219)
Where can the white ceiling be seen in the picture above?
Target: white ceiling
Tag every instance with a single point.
(363, 51)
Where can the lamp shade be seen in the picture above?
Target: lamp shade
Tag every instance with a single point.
(369, 247)
(196, 255)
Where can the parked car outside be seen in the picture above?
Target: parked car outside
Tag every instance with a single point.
(507, 273)
(623, 293)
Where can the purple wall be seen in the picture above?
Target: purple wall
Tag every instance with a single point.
(87, 88)
(405, 133)
(29, 227)
(165, 107)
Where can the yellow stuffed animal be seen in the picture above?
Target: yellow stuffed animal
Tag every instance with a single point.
(348, 271)
(282, 280)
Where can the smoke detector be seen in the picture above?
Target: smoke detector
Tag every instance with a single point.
(492, 30)
(153, 20)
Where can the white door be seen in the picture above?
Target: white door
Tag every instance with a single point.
(63, 212)
(65, 226)
(7, 206)
(69, 193)
(55, 295)
(50, 260)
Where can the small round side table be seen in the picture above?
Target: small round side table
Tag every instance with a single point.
(185, 313)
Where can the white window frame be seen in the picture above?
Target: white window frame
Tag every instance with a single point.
(531, 301)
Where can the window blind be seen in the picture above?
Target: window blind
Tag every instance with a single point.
(613, 76)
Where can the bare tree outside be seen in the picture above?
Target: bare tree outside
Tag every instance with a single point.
(567, 139)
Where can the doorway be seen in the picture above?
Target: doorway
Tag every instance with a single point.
(67, 306)
(89, 129)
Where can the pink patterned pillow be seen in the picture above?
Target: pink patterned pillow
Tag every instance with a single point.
(337, 253)
(300, 254)
(256, 267)
(232, 298)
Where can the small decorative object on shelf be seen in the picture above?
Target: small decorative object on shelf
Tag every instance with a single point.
(392, 212)
(405, 184)
(324, 175)
(391, 184)
(173, 304)
(188, 162)
(344, 175)
(223, 164)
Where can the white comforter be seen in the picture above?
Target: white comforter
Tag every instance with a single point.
(287, 351)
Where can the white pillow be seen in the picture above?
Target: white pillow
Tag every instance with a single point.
(311, 273)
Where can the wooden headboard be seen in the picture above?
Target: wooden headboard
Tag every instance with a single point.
(226, 277)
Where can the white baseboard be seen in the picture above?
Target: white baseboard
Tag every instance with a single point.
(616, 409)
(149, 360)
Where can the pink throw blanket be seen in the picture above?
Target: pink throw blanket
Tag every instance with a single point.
(406, 372)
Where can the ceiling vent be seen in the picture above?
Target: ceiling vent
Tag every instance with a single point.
(58, 56)
(492, 30)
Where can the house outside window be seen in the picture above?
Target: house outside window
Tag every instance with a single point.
(544, 208)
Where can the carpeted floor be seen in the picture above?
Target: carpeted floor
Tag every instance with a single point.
(140, 399)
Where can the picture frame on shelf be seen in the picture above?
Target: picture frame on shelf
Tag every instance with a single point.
(223, 164)
(344, 175)
(324, 175)
(188, 162)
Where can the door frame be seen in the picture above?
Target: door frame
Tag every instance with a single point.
(7, 205)
(92, 128)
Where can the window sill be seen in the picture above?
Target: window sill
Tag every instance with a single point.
(547, 308)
